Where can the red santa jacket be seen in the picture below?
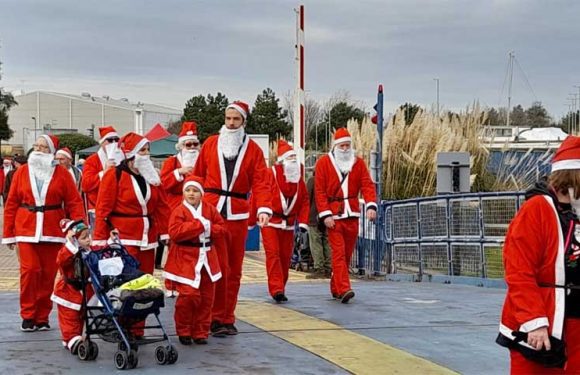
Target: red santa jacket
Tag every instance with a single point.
(139, 219)
(172, 181)
(92, 174)
(289, 201)
(533, 254)
(250, 174)
(65, 294)
(33, 216)
(341, 200)
(193, 233)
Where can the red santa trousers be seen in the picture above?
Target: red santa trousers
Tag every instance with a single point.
(231, 258)
(342, 239)
(71, 324)
(146, 259)
(521, 365)
(278, 244)
(37, 273)
(193, 308)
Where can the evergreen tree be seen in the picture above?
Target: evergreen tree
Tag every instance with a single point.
(267, 117)
(207, 112)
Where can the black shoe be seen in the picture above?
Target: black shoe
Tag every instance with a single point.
(28, 326)
(185, 340)
(200, 341)
(347, 296)
(74, 349)
(335, 296)
(43, 326)
(218, 330)
(231, 328)
(280, 297)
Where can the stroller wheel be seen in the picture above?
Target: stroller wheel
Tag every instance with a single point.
(83, 351)
(172, 354)
(161, 355)
(121, 360)
(133, 359)
(93, 351)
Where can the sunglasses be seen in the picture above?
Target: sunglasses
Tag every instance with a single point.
(191, 144)
(113, 139)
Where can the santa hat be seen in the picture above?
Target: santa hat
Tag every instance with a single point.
(241, 107)
(284, 150)
(52, 142)
(66, 152)
(188, 132)
(568, 155)
(341, 135)
(131, 143)
(7, 159)
(192, 180)
(77, 226)
(107, 132)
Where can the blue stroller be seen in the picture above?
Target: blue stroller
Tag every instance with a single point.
(112, 317)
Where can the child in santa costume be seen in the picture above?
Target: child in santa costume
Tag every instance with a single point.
(231, 166)
(290, 205)
(540, 321)
(340, 176)
(41, 195)
(94, 168)
(192, 262)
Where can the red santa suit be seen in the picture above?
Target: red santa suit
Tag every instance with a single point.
(67, 293)
(336, 195)
(31, 219)
(4, 174)
(193, 264)
(94, 169)
(290, 204)
(140, 216)
(248, 173)
(538, 257)
(171, 179)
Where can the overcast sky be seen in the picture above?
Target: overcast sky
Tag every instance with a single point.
(167, 51)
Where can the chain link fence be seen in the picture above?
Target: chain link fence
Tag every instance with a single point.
(443, 236)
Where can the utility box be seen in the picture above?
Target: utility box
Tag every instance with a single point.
(453, 172)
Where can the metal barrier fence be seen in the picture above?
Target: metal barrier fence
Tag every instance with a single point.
(449, 235)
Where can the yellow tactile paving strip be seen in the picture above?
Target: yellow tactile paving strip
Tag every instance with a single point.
(351, 351)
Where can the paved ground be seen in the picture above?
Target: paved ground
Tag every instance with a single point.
(389, 328)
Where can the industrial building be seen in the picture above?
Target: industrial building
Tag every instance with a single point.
(43, 111)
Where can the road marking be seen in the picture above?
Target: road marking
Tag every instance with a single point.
(351, 351)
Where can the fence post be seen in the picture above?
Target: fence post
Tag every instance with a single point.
(448, 223)
(419, 247)
(482, 239)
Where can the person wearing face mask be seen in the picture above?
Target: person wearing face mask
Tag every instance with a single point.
(95, 167)
(132, 201)
(42, 193)
(290, 205)
(231, 165)
(340, 176)
(176, 168)
(540, 321)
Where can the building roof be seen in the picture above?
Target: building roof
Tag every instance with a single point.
(122, 103)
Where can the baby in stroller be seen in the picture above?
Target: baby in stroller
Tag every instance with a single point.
(122, 297)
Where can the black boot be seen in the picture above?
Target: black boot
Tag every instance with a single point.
(218, 329)
(185, 340)
(280, 297)
(347, 296)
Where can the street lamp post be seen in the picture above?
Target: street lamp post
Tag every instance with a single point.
(437, 81)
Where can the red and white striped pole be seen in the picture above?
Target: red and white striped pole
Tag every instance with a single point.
(299, 109)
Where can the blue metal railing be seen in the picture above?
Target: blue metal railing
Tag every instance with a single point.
(445, 236)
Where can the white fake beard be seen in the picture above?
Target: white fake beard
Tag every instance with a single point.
(230, 140)
(291, 171)
(114, 153)
(146, 169)
(189, 157)
(7, 169)
(41, 165)
(344, 160)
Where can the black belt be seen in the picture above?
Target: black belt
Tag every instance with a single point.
(41, 208)
(119, 214)
(285, 217)
(227, 193)
(194, 244)
(567, 286)
(339, 199)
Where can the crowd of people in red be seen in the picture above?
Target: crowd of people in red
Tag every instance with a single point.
(200, 204)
